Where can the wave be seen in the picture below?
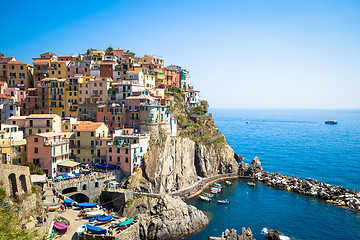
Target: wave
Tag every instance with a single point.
(265, 231)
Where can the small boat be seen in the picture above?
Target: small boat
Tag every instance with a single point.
(217, 184)
(228, 182)
(60, 226)
(118, 221)
(52, 206)
(95, 230)
(127, 222)
(215, 189)
(251, 184)
(105, 219)
(209, 195)
(92, 219)
(331, 122)
(204, 198)
(68, 201)
(81, 229)
(94, 213)
(86, 205)
(223, 201)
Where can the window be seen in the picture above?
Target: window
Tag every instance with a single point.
(36, 150)
(92, 143)
(110, 158)
(78, 142)
(118, 159)
(39, 130)
(126, 160)
(92, 151)
(30, 131)
(78, 134)
(110, 149)
(36, 140)
(78, 152)
(92, 134)
(118, 150)
(126, 151)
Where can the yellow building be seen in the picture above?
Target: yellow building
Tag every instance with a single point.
(149, 79)
(160, 77)
(58, 69)
(72, 96)
(91, 140)
(97, 55)
(19, 75)
(57, 92)
(12, 144)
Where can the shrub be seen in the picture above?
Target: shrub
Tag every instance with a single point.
(34, 169)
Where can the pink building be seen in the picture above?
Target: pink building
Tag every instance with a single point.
(127, 150)
(3, 86)
(76, 68)
(16, 94)
(46, 150)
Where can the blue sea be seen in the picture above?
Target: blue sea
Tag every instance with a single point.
(291, 142)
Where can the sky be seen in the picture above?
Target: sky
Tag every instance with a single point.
(240, 54)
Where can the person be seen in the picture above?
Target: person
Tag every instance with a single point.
(54, 200)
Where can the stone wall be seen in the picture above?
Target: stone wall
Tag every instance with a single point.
(115, 198)
(15, 179)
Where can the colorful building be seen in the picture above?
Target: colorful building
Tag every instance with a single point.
(46, 150)
(58, 69)
(19, 75)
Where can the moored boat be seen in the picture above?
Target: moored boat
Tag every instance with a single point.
(228, 182)
(60, 226)
(94, 213)
(95, 230)
(86, 205)
(215, 189)
(331, 122)
(127, 222)
(223, 201)
(208, 195)
(68, 201)
(105, 219)
(204, 198)
(81, 229)
(52, 206)
(251, 184)
(115, 223)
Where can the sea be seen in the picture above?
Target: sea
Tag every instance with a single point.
(295, 143)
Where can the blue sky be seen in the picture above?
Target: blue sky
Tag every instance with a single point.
(241, 54)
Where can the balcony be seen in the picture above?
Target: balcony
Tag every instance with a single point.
(58, 142)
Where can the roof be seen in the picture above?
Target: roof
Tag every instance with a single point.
(38, 178)
(5, 96)
(88, 126)
(68, 135)
(16, 62)
(17, 117)
(1, 82)
(42, 116)
(46, 60)
(68, 163)
(5, 59)
(49, 134)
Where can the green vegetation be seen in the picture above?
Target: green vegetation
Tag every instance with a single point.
(129, 203)
(9, 223)
(34, 169)
(109, 50)
(1, 54)
(131, 53)
(90, 49)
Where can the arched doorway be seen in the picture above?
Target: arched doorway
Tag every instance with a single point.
(80, 197)
(22, 180)
(13, 185)
(84, 187)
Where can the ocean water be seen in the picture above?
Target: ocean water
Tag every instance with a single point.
(292, 142)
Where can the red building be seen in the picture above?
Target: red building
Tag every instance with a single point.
(106, 69)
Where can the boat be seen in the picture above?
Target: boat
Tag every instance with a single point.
(95, 230)
(228, 182)
(81, 229)
(92, 219)
(331, 122)
(105, 219)
(52, 206)
(204, 198)
(94, 213)
(251, 184)
(215, 189)
(127, 222)
(118, 221)
(86, 205)
(68, 201)
(223, 201)
(60, 226)
(217, 184)
(209, 195)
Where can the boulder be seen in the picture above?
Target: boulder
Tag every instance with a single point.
(273, 235)
(254, 168)
(246, 234)
(238, 157)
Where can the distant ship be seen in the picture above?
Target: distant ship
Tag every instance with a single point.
(331, 122)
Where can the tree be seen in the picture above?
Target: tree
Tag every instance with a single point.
(1, 54)
(34, 169)
(90, 49)
(109, 50)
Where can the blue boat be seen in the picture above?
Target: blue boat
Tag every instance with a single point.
(127, 222)
(68, 201)
(95, 230)
(92, 219)
(105, 219)
(86, 205)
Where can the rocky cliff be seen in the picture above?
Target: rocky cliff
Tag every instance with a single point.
(165, 217)
(246, 234)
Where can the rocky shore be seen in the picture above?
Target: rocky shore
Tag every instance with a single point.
(246, 234)
(163, 218)
(336, 195)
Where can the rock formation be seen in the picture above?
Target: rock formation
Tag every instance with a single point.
(273, 235)
(164, 217)
(246, 234)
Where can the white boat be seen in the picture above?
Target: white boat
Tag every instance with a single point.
(251, 184)
(228, 182)
(207, 199)
(81, 229)
(94, 213)
(118, 221)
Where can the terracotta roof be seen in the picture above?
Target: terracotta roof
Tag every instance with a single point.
(88, 126)
(5, 96)
(16, 62)
(57, 61)
(47, 60)
(1, 82)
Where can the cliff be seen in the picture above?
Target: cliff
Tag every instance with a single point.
(163, 218)
(199, 150)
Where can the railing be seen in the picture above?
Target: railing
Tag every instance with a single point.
(58, 142)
